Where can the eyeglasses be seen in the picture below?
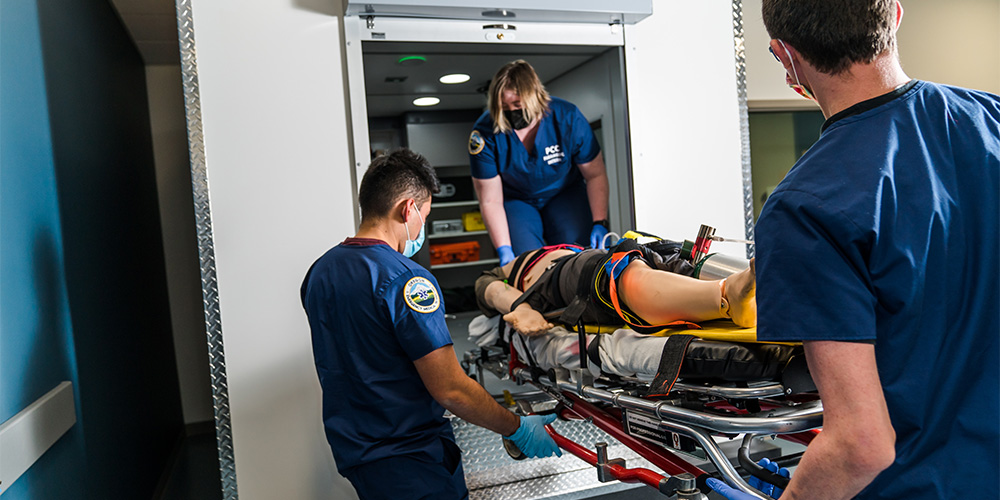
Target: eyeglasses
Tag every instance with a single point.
(769, 49)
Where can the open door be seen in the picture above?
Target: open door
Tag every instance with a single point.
(393, 62)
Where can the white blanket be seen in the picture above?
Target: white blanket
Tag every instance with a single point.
(623, 352)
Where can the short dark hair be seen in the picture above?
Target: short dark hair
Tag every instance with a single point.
(400, 173)
(833, 34)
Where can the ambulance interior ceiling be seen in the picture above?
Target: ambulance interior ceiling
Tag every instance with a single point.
(392, 82)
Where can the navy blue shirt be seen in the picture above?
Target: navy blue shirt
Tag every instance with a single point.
(886, 231)
(372, 313)
(564, 140)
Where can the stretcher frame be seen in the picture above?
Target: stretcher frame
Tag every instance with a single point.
(606, 402)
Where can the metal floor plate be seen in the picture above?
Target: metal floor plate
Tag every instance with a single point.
(491, 474)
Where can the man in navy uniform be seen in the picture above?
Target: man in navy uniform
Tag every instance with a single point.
(384, 355)
(879, 250)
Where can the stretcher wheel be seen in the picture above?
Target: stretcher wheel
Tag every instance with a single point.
(512, 450)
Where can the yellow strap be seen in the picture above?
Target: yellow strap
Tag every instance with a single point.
(722, 329)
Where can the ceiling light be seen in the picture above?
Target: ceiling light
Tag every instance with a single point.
(426, 101)
(454, 78)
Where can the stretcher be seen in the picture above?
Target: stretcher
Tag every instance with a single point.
(670, 427)
(707, 391)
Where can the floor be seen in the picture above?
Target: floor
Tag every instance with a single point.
(196, 472)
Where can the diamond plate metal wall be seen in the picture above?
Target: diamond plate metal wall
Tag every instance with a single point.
(741, 94)
(206, 248)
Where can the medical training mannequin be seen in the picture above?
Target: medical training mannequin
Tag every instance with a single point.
(656, 296)
(878, 250)
(536, 167)
(384, 354)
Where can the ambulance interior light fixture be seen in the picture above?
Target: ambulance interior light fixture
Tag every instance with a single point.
(454, 78)
(426, 101)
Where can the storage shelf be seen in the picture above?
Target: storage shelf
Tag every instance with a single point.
(446, 204)
(466, 264)
(455, 235)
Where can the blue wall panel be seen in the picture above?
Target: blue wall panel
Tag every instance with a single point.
(36, 342)
(84, 293)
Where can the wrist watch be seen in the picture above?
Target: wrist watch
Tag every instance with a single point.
(603, 222)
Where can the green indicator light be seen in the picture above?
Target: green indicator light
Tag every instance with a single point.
(411, 59)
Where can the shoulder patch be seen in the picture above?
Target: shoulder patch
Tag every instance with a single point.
(420, 295)
(476, 143)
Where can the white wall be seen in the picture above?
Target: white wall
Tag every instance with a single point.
(955, 42)
(684, 121)
(180, 244)
(443, 144)
(276, 135)
(273, 104)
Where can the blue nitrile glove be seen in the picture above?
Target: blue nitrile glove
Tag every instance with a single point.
(597, 236)
(764, 487)
(532, 439)
(506, 254)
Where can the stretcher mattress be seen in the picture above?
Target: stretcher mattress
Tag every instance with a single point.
(726, 353)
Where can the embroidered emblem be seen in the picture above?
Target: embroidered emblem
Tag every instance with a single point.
(553, 154)
(476, 143)
(420, 295)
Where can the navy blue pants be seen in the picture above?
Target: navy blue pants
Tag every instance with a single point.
(407, 477)
(564, 218)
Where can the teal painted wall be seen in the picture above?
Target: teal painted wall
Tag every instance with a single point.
(36, 338)
(83, 294)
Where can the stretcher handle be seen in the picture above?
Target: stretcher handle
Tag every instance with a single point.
(759, 472)
(623, 474)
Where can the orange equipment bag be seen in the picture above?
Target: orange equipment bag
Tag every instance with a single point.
(450, 253)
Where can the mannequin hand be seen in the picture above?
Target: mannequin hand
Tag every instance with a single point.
(506, 254)
(528, 321)
(764, 487)
(597, 236)
(532, 439)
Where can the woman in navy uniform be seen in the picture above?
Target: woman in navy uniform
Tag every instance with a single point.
(384, 355)
(536, 167)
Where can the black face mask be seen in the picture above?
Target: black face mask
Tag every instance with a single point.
(515, 117)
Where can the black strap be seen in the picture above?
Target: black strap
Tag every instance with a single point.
(574, 311)
(670, 365)
(515, 270)
(527, 352)
(593, 351)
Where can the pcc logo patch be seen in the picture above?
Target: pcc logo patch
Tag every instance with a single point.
(420, 295)
(476, 143)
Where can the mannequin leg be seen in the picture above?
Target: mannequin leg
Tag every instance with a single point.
(661, 297)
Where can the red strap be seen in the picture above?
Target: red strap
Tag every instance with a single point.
(542, 253)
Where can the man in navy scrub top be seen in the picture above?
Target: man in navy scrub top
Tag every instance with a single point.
(879, 250)
(537, 168)
(384, 355)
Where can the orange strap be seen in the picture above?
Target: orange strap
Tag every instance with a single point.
(617, 258)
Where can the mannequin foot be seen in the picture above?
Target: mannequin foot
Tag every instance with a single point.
(739, 293)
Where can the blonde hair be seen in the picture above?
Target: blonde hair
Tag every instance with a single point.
(520, 77)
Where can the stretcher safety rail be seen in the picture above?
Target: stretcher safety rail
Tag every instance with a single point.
(580, 395)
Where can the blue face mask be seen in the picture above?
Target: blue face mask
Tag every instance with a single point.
(413, 246)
